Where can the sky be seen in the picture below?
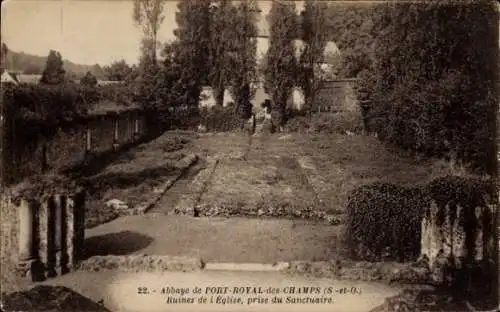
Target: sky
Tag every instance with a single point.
(83, 31)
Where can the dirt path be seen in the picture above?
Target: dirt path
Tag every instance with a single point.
(170, 198)
(216, 239)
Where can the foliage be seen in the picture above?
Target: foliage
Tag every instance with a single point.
(42, 109)
(89, 80)
(220, 119)
(353, 27)
(53, 73)
(244, 62)
(222, 43)
(434, 91)
(281, 62)
(339, 122)
(34, 64)
(177, 84)
(314, 34)
(148, 14)
(118, 71)
(383, 222)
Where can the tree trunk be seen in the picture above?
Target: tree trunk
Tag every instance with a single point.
(219, 96)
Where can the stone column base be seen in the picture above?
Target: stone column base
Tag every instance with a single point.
(32, 269)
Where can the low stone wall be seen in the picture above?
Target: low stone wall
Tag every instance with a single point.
(70, 145)
(42, 232)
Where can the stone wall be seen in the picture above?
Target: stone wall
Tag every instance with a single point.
(337, 96)
(70, 145)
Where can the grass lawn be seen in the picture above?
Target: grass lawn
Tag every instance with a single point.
(347, 162)
(271, 174)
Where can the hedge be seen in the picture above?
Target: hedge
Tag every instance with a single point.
(383, 222)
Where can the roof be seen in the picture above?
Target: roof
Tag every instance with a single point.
(31, 79)
(9, 77)
(108, 82)
(106, 107)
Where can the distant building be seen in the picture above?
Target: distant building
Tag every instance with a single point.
(9, 78)
(109, 82)
(29, 79)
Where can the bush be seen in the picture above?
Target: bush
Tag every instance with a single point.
(220, 119)
(339, 122)
(435, 91)
(42, 109)
(384, 222)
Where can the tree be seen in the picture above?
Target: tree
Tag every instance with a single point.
(281, 62)
(222, 41)
(54, 72)
(433, 91)
(314, 34)
(118, 71)
(190, 52)
(243, 62)
(89, 80)
(4, 50)
(353, 28)
(148, 14)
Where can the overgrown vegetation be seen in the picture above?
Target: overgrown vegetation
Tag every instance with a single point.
(435, 91)
(35, 110)
(281, 62)
(314, 34)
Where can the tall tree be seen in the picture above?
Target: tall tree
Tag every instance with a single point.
(54, 72)
(148, 14)
(281, 62)
(314, 34)
(222, 38)
(191, 51)
(243, 63)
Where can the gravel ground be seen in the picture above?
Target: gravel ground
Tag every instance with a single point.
(250, 240)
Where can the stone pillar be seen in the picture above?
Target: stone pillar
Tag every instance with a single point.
(115, 134)
(88, 139)
(47, 237)
(136, 125)
(458, 238)
(26, 215)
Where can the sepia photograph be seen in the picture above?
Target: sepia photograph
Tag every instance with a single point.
(249, 155)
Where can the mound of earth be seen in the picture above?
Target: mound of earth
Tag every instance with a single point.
(49, 298)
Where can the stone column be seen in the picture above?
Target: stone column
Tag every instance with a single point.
(115, 134)
(88, 139)
(26, 215)
(136, 124)
(47, 236)
(458, 237)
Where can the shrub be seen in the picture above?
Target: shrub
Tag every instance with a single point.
(384, 222)
(220, 119)
(435, 91)
(339, 122)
